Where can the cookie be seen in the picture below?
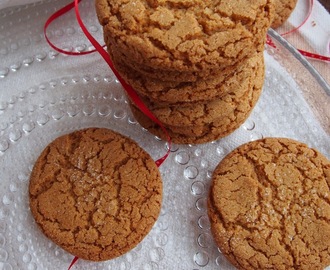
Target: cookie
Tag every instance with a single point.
(283, 10)
(185, 35)
(190, 134)
(95, 193)
(194, 134)
(172, 76)
(168, 92)
(269, 206)
(237, 96)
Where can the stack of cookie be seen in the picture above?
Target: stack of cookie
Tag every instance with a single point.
(198, 65)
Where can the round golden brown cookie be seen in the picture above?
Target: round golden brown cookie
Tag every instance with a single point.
(185, 35)
(230, 120)
(269, 206)
(283, 10)
(166, 93)
(95, 193)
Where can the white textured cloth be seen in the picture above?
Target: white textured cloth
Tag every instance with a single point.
(316, 30)
(313, 36)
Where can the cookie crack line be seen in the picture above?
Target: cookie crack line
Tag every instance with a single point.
(238, 262)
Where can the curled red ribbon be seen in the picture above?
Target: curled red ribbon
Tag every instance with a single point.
(52, 18)
(98, 48)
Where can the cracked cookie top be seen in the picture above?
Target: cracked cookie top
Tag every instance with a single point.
(269, 206)
(185, 35)
(95, 193)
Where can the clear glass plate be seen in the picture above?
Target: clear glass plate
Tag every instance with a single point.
(44, 94)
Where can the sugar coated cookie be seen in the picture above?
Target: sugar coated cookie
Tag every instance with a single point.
(128, 68)
(236, 98)
(196, 123)
(269, 206)
(164, 92)
(228, 122)
(185, 35)
(95, 193)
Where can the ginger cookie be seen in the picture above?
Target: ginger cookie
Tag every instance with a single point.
(166, 93)
(269, 206)
(283, 10)
(237, 95)
(190, 134)
(227, 123)
(185, 35)
(95, 193)
(172, 76)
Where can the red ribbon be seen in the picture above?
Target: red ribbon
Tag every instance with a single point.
(98, 48)
(75, 259)
(52, 18)
(129, 90)
(304, 53)
(314, 56)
